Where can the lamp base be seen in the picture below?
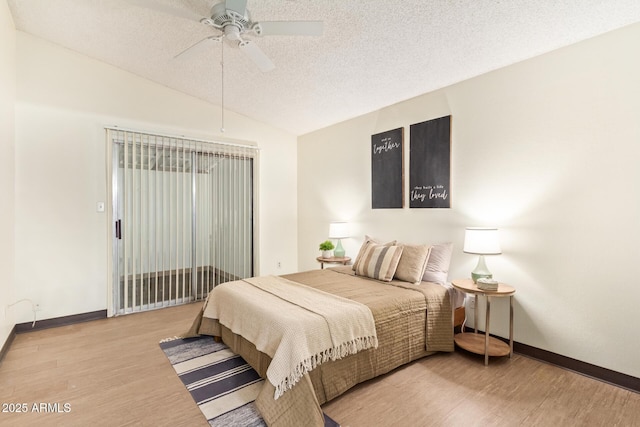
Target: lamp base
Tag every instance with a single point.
(338, 252)
(481, 270)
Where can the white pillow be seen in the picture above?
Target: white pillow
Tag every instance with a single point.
(437, 270)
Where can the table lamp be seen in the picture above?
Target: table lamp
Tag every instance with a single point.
(481, 241)
(338, 230)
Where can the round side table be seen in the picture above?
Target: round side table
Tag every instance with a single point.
(474, 342)
(333, 260)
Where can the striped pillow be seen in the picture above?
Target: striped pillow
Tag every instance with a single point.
(368, 241)
(379, 262)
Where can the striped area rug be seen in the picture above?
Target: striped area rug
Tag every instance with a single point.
(223, 385)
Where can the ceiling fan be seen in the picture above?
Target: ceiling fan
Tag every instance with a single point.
(233, 24)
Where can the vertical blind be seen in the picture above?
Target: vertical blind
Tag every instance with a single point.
(183, 211)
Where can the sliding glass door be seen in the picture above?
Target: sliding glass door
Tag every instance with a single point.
(183, 214)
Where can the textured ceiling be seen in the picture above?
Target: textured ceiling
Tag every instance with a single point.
(373, 53)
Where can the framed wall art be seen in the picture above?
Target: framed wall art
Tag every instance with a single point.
(430, 164)
(387, 169)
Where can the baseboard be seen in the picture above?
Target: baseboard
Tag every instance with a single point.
(60, 321)
(602, 374)
(583, 368)
(7, 343)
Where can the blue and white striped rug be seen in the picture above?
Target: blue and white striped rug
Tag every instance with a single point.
(223, 385)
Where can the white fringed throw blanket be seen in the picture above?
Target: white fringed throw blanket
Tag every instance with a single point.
(298, 326)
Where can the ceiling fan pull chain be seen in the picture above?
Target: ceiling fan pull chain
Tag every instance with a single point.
(222, 87)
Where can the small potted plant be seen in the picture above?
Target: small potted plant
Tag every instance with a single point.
(326, 247)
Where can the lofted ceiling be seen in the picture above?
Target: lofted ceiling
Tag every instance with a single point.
(373, 53)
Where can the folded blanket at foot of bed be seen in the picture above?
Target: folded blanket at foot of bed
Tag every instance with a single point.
(298, 326)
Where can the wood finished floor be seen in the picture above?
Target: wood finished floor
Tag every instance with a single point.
(112, 372)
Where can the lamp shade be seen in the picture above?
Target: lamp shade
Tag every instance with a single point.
(481, 241)
(338, 230)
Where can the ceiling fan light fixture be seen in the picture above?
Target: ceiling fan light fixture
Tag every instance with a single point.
(231, 32)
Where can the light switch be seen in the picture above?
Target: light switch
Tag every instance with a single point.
(100, 206)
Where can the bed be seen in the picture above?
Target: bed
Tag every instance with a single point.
(411, 320)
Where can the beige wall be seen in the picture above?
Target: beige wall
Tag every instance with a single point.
(64, 100)
(547, 150)
(7, 100)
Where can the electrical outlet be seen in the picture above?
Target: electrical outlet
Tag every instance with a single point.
(472, 304)
(279, 265)
(37, 307)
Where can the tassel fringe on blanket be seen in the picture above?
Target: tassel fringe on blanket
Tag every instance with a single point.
(334, 353)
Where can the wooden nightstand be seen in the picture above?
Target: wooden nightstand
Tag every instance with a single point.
(333, 260)
(474, 342)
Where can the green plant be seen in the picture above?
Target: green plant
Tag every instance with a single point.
(326, 245)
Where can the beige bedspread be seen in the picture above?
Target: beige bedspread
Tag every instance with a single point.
(411, 321)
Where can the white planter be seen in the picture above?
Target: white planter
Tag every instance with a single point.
(327, 254)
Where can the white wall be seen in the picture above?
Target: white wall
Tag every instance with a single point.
(7, 100)
(547, 150)
(64, 100)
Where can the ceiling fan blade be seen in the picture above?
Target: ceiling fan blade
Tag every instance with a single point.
(239, 6)
(198, 47)
(289, 28)
(257, 56)
(166, 9)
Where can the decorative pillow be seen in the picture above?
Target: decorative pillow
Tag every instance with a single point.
(379, 262)
(413, 263)
(437, 270)
(367, 241)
